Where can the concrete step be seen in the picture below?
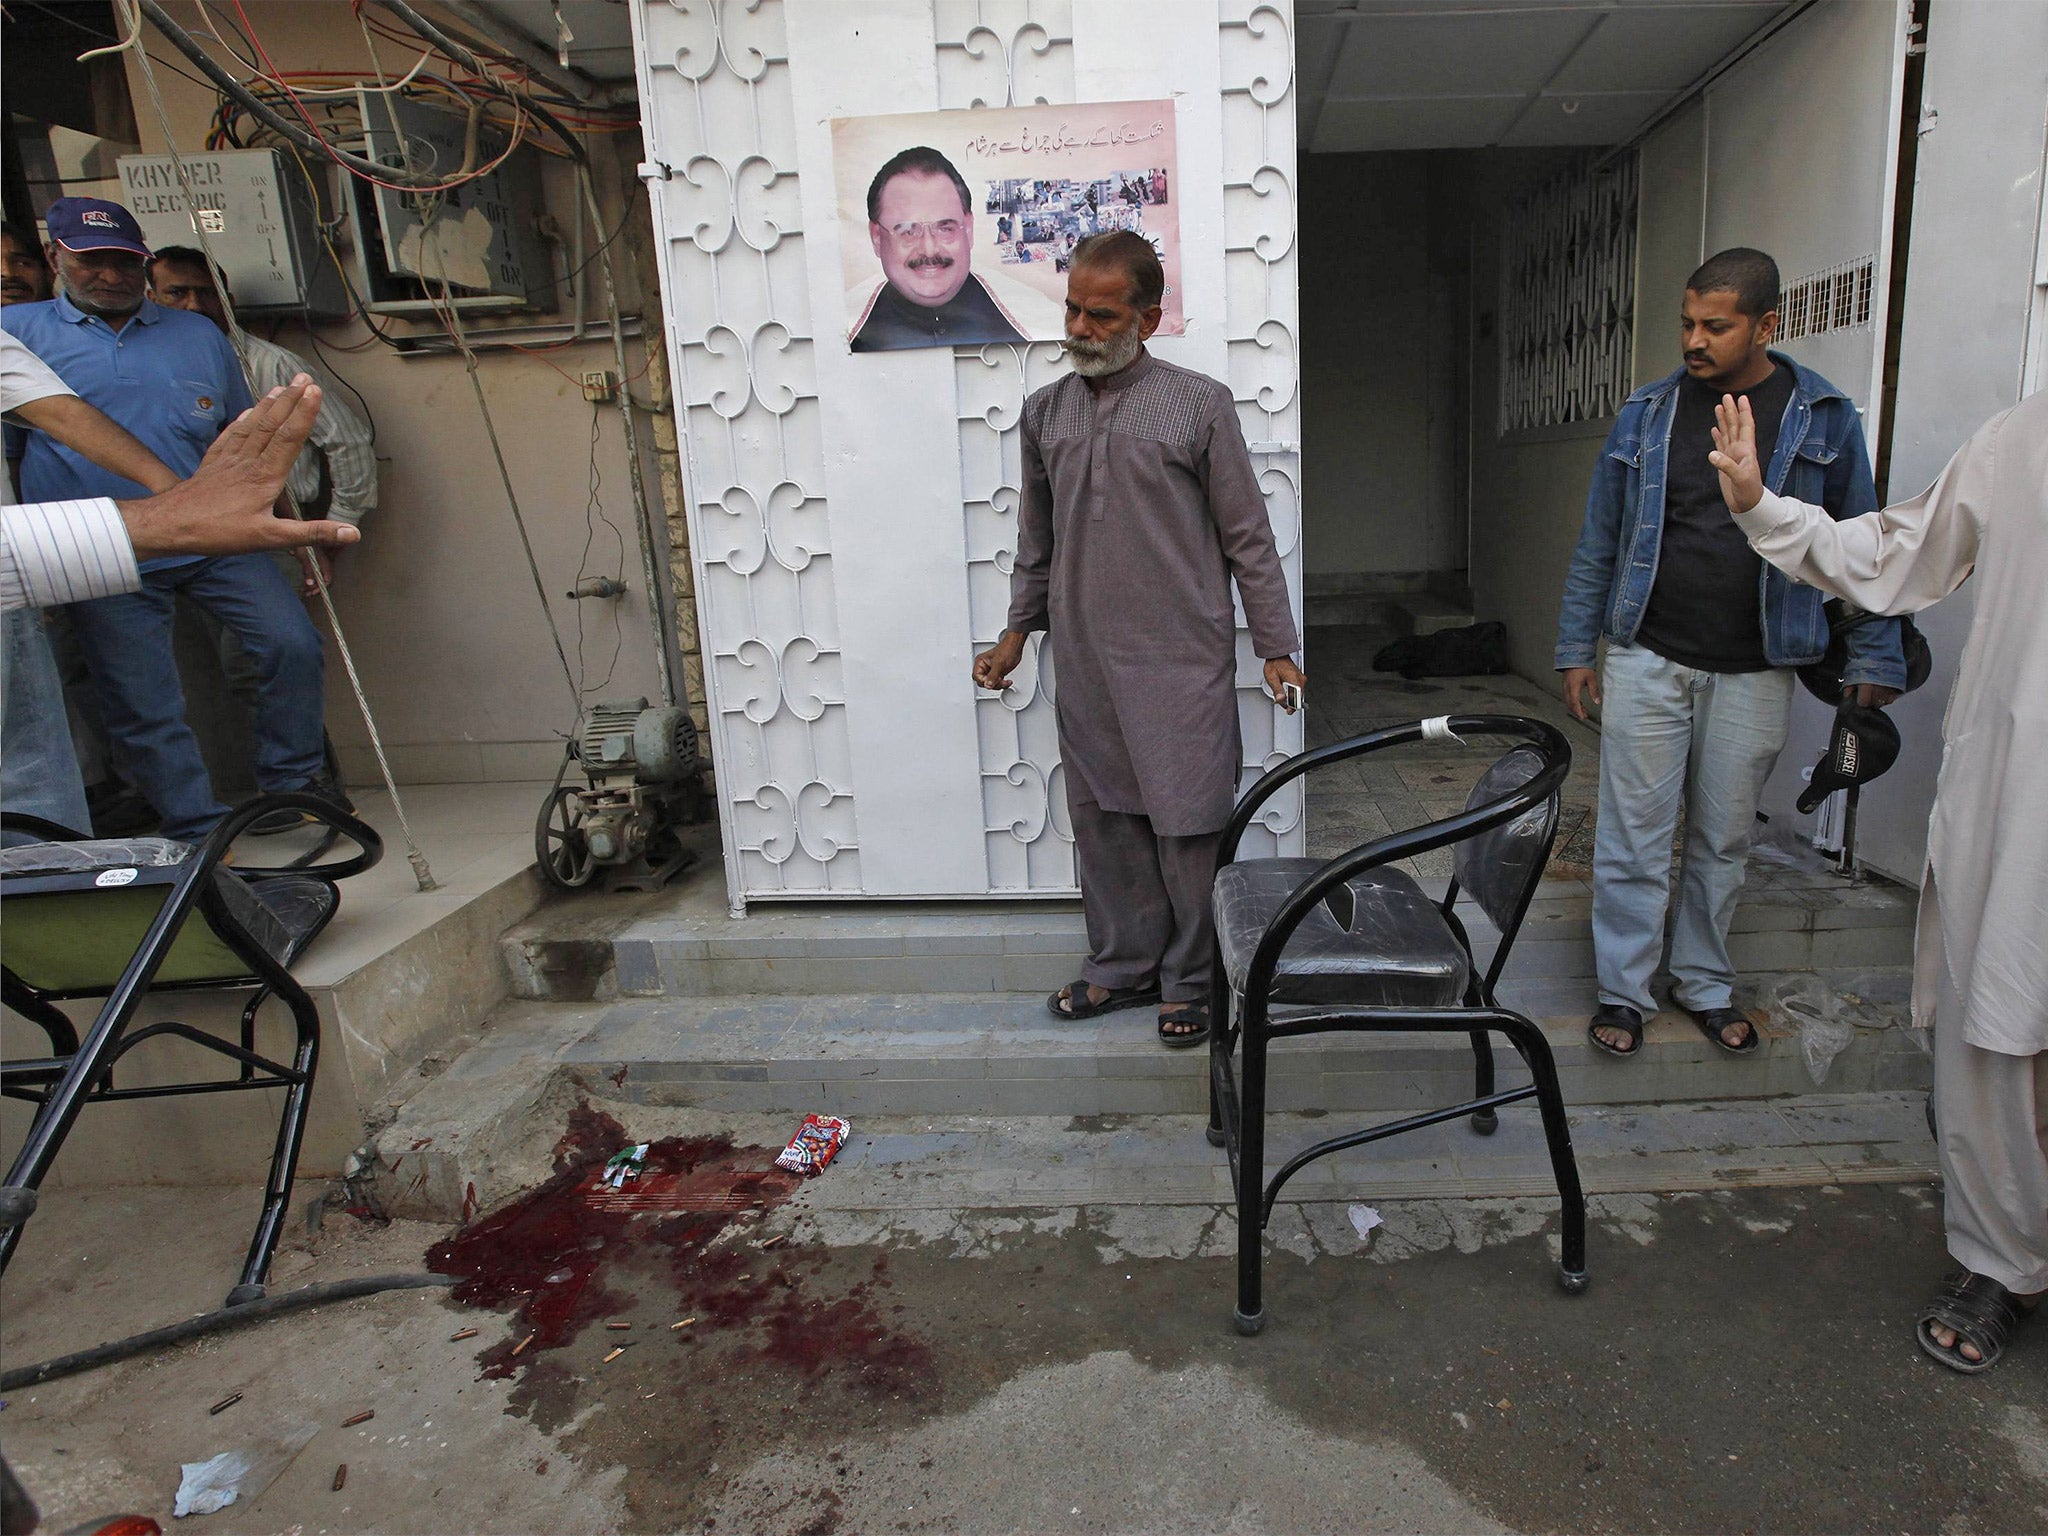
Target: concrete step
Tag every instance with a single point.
(1424, 613)
(1041, 1121)
(686, 945)
(1367, 610)
(1001, 1054)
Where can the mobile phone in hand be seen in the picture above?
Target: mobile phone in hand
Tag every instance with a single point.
(1291, 697)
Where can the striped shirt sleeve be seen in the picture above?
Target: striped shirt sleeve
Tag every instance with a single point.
(58, 552)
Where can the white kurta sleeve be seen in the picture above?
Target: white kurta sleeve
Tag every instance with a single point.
(58, 552)
(24, 377)
(1900, 559)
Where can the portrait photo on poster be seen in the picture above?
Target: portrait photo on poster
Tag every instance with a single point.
(956, 228)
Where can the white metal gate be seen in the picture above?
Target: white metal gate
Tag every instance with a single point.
(852, 518)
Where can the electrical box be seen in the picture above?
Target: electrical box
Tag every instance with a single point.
(481, 238)
(261, 216)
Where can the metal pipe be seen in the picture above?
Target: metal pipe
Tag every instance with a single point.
(651, 565)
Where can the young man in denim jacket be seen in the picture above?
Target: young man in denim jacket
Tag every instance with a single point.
(1702, 641)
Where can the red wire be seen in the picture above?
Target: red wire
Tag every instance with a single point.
(306, 117)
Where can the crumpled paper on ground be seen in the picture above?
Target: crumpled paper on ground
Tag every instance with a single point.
(207, 1487)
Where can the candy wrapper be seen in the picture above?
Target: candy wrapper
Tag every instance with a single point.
(624, 1165)
(815, 1144)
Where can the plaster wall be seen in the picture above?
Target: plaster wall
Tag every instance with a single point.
(1670, 229)
(1528, 488)
(1377, 361)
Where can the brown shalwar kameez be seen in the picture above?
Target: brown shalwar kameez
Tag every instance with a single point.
(1140, 504)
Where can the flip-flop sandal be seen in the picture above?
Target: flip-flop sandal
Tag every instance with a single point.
(1980, 1312)
(1071, 1001)
(1197, 1014)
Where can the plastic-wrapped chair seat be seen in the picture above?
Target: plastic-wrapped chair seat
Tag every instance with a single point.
(1376, 939)
(1354, 944)
(80, 928)
(119, 919)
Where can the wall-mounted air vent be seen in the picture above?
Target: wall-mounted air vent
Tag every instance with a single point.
(1838, 299)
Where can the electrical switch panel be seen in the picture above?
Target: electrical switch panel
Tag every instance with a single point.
(261, 218)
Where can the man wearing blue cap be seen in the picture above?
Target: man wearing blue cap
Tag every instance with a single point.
(173, 380)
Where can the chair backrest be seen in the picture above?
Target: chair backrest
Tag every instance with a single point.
(1499, 866)
(75, 913)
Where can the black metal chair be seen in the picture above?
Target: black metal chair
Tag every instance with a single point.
(119, 919)
(1304, 947)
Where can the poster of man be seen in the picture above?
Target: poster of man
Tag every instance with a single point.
(970, 217)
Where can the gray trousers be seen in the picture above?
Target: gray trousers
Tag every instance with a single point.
(1146, 899)
(1991, 1112)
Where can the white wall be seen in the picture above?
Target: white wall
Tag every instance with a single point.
(1800, 137)
(1977, 207)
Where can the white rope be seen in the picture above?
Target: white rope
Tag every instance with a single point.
(132, 16)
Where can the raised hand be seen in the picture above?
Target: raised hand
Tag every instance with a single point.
(1734, 455)
(225, 508)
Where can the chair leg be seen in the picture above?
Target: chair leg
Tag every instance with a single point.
(284, 1160)
(1485, 1121)
(249, 1028)
(46, 1016)
(55, 1116)
(1535, 1052)
(1220, 1042)
(1251, 1178)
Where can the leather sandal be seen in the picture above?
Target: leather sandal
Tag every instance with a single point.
(1713, 1022)
(1980, 1312)
(1071, 1001)
(1617, 1016)
(1195, 1013)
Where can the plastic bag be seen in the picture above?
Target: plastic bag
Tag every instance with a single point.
(1810, 1007)
(207, 1487)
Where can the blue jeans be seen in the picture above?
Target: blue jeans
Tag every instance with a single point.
(38, 770)
(127, 646)
(1669, 734)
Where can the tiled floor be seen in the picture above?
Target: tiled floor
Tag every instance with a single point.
(1369, 797)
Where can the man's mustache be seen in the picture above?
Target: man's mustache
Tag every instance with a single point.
(919, 263)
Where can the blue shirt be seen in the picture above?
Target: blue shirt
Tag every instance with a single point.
(168, 376)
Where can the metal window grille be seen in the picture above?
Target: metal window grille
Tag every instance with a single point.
(1837, 299)
(1568, 264)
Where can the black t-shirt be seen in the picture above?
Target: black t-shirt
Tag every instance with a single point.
(1705, 609)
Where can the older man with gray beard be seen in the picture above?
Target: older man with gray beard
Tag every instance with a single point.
(1140, 505)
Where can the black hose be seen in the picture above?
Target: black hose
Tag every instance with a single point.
(213, 1322)
(179, 39)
